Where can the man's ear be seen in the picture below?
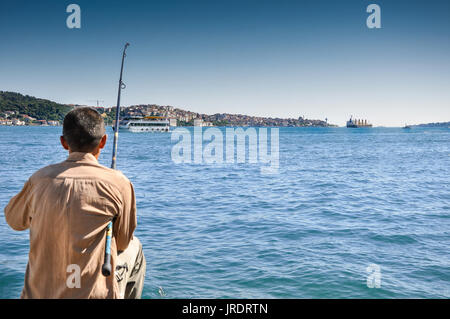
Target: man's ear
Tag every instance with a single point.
(103, 141)
(64, 143)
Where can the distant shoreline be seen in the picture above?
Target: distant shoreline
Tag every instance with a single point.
(431, 125)
(437, 124)
(24, 110)
(18, 109)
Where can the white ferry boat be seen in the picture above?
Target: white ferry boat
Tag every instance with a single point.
(145, 124)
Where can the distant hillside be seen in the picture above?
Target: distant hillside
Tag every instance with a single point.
(41, 109)
(29, 105)
(440, 124)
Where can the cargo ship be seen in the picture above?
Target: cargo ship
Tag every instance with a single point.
(356, 123)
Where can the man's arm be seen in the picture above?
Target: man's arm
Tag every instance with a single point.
(125, 223)
(18, 211)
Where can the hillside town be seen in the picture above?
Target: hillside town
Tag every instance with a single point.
(188, 118)
(177, 117)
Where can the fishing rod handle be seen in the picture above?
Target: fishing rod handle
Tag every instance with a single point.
(106, 268)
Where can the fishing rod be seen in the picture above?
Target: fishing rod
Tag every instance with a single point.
(106, 268)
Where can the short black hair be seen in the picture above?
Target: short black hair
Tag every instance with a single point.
(83, 129)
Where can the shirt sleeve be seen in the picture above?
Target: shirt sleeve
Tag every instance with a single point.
(18, 211)
(125, 223)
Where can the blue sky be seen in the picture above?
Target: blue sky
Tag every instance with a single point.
(267, 58)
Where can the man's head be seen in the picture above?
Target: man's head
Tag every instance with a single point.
(83, 131)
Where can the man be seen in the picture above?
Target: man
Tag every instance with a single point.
(67, 207)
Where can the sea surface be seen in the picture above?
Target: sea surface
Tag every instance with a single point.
(342, 200)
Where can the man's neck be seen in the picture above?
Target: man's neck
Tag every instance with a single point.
(96, 153)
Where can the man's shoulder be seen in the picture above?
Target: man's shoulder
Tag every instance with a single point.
(96, 171)
(116, 174)
(45, 172)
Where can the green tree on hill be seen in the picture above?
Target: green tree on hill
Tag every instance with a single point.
(29, 105)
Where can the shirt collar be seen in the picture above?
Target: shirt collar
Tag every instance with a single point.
(80, 156)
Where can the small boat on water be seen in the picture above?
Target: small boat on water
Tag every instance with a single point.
(145, 124)
(357, 123)
(407, 127)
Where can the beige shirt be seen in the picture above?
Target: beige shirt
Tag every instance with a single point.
(67, 207)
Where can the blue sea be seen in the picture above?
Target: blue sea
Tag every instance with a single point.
(341, 201)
